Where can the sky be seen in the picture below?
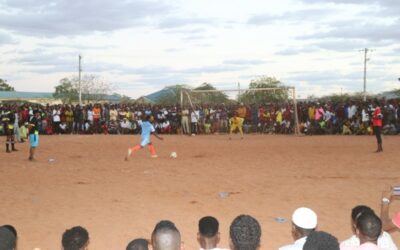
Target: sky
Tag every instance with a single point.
(141, 46)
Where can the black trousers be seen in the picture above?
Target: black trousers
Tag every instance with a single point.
(377, 131)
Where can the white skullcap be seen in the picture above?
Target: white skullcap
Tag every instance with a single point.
(305, 218)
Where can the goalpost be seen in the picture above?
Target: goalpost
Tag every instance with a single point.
(190, 98)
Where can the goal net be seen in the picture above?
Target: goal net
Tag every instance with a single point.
(265, 110)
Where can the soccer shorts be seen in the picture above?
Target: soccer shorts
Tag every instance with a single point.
(234, 127)
(145, 141)
(34, 140)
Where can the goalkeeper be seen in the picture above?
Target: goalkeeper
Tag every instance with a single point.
(235, 123)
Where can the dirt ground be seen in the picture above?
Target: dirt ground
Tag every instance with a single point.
(83, 180)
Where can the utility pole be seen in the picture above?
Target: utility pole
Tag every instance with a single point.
(79, 79)
(366, 59)
(238, 92)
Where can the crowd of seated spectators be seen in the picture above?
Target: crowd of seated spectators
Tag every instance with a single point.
(245, 233)
(352, 118)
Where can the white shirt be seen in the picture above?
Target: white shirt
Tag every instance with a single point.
(297, 245)
(352, 111)
(63, 126)
(327, 115)
(125, 124)
(16, 120)
(195, 116)
(56, 115)
(365, 116)
(90, 115)
(384, 241)
(165, 124)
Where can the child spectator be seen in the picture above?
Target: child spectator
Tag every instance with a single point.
(346, 128)
(207, 126)
(166, 127)
(126, 126)
(63, 127)
(23, 131)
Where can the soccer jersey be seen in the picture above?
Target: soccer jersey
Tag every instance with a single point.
(34, 132)
(147, 129)
(34, 126)
(377, 117)
(236, 121)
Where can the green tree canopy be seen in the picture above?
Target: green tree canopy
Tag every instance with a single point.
(66, 91)
(336, 98)
(93, 87)
(4, 86)
(267, 96)
(397, 91)
(209, 97)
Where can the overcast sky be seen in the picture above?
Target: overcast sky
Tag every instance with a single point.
(141, 46)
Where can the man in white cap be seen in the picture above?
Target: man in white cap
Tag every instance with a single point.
(304, 222)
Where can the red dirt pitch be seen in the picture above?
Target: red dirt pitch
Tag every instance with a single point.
(83, 180)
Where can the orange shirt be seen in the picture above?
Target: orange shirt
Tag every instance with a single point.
(377, 117)
(242, 112)
(96, 113)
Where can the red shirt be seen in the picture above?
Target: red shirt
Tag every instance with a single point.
(377, 117)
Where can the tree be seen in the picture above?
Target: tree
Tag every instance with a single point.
(94, 88)
(275, 96)
(397, 91)
(335, 98)
(209, 97)
(4, 86)
(66, 91)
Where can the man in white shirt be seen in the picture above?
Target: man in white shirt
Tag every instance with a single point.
(352, 110)
(384, 241)
(304, 222)
(126, 126)
(194, 115)
(369, 228)
(56, 120)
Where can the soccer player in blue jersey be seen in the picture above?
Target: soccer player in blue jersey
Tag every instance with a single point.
(147, 131)
(34, 134)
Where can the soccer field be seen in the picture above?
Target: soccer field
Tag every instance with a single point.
(83, 180)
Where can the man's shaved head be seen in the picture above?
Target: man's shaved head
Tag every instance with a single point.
(166, 236)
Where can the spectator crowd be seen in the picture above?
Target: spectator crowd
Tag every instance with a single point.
(245, 233)
(350, 118)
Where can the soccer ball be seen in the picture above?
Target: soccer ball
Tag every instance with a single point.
(173, 155)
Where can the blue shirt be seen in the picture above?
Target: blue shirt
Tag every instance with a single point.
(147, 129)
